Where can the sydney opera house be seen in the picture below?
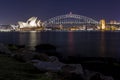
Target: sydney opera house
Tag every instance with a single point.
(31, 24)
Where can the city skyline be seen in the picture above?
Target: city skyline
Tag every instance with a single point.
(13, 11)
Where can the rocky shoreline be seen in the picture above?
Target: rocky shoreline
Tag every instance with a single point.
(51, 65)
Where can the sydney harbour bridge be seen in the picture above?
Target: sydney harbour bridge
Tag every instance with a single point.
(71, 21)
(78, 22)
(67, 22)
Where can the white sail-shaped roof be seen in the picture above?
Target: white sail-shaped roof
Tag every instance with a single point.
(22, 24)
(39, 23)
(31, 22)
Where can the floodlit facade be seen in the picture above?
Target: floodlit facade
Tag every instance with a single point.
(103, 24)
(30, 23)
(14, 27)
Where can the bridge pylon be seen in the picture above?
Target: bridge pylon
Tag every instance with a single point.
(102, 24)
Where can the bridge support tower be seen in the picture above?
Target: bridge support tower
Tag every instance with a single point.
(102, 24)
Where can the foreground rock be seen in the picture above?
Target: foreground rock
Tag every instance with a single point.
(47, 63)
(51, 64)
(25, 55)
(69, 70)
(91, 75)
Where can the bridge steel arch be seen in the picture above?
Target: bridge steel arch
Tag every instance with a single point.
(70, 19)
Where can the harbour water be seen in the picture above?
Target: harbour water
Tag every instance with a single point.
(83, 44)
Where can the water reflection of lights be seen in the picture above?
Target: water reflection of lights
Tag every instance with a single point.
(103, 46)
(32, 40)
(22, 38)
(71, 42)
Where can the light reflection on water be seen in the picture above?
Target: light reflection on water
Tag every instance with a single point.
(71, 43)
(84, 44)
(103, 45)
(32, 40)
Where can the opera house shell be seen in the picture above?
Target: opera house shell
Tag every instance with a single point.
(33, 22)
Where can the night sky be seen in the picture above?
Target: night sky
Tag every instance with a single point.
(12, 11)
